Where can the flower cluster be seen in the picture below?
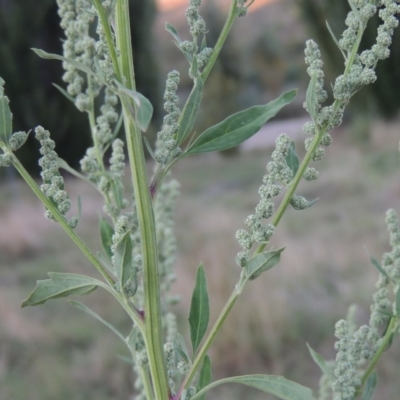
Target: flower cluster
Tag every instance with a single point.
(53, 182)
(195, 21)
(117, 160)
(197, 27)
(357, 346)
(167, 143)
(5, 160)
(243, 7)
(166, 241)
(76, 18)
(279, 175)
(102, 135)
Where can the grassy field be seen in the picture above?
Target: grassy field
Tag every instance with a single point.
(56, 352)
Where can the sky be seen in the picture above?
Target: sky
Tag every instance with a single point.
(166, 5)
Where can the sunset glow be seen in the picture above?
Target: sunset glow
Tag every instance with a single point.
(166, 5)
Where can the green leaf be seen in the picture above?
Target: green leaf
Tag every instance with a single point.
(86, 309)
(292, 159)
(276, 385)
(308, 204)
(319, 360)
(199, 309)
(190, 111)
(5, 115)
(64, 92)
(262, 262)
(106, 234)
(123, 260)
(50, 56)
(311, 97)
(143, 111)
(239, 127)
(172, 30)
(335, 39)
(180, 347)
(370, 386)
(205, 376)
(376, 264)
(61, 285)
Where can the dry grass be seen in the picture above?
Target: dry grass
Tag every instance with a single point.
(323, 270)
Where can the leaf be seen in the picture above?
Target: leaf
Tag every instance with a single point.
(64, 92)
(303, 205)
(277, 385)
(262, 262)
(292, 159)
(50, 56)
(311, 97)
(370, 386)
(148, 147)
(143, 110)
(5, 115)
(86, 309)
(180, 348)
(205, 376)
(239, 127)
(335, 39)
(376, 264)
(105, 262)
(123, 260)
(199, 309)
(190, 111)
(320, 361)
(106, 234)
(61, 285)
(172, 30)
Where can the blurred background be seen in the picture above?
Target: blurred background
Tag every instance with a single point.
(54, 351)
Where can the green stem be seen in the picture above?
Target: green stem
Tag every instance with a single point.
(152, 305)
(380, 351)
(232, 15)
(109, 36)
(61, 220)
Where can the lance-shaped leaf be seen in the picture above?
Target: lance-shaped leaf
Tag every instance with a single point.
(173, 31)
(106, 234)
(123, 260)
(61, 285)
(190, 111)
(239, 127)
(86, 309)
(143, 111)
(311, 97)
(50, 56)
(205, 376)
(262, 262)
(5, 115)
(180, 348)
(276, 385)
(199, 309)
(378, 266)
(320, 361)
(370, 386)
(292, 159)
